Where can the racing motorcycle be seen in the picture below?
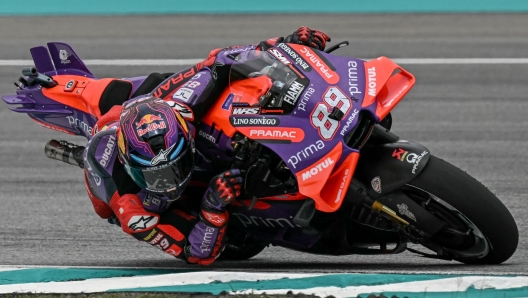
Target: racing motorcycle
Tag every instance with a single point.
(325, 174)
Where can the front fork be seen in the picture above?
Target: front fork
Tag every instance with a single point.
(386, 165)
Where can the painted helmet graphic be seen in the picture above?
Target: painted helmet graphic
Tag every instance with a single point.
(155, 147)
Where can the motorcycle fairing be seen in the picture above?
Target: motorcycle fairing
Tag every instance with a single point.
(42, 59)
(65, 58)
(390, 166)
(75, 103)
(387, 83)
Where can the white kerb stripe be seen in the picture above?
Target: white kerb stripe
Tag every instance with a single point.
(116, 283)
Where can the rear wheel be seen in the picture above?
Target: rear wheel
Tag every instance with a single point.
(479, 229)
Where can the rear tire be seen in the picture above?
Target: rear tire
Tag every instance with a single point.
(474, 201)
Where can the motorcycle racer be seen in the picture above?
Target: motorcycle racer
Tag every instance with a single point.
(135, 168)
(139, 162)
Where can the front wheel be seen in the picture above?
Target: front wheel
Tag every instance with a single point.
(479, 229)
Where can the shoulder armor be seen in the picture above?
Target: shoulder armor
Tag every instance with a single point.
(100, 155)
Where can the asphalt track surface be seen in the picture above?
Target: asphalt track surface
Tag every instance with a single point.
(471, 115)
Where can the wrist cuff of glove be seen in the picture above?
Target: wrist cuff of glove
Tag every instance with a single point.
(214, 217)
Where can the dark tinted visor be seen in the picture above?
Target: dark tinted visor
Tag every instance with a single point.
(165, 178)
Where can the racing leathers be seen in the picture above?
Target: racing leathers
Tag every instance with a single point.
(189, 229)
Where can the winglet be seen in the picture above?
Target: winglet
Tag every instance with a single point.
(64, 57)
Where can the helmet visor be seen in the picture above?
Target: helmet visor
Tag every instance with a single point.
(169, 177)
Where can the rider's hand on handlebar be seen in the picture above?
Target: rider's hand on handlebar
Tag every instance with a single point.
(225, 188)
(309, 37)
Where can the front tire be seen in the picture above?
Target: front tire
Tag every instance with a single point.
(481, 207)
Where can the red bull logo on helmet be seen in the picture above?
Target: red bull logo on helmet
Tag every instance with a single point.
(149, 119)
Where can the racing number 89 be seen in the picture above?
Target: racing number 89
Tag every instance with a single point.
(333, 97)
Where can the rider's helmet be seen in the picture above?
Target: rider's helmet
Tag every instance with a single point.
(155, 147)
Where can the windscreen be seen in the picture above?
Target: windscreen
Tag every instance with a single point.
(287, 83)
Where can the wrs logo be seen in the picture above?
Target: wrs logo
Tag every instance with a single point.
(245, 111)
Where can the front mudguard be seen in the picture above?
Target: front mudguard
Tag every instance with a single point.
(385, 167)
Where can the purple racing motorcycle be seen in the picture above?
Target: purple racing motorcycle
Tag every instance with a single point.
(325, 174)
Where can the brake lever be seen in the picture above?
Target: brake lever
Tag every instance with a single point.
(337, 46)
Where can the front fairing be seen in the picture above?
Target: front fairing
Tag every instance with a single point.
(288, 108)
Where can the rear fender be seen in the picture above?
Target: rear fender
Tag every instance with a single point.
(386, 167)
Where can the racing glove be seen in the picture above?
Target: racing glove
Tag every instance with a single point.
(309, 37)
(207, 238)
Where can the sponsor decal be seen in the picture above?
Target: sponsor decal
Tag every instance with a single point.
(56, 128)
(151, 126)
(305, 153)
(70, 86)
(389, 103)
(295, 56)
(146, 201)
(156, 201)
(237, 50)
(208, 237)
(342, 186)
(399, 154)
(108, 151)
(293, 92)
(147, 119)
(254, 121)
(63, 55)
(207, 136)
(96, 178)
(164, 244)
(227, 102)
(349, 122)
(319, 65)
(218, 243)
(403, 209)
(76, 123)
(275, 133)
(156, 239)
(376, 184)
(216, 219)
(149, 236)
(213, 69)
(183, 109)
(173, 82)
(317, 168)
(162, 155)
(183, 94)
(353, 87)
(271, 111)
(416, 160)
(371, 81)
(279, 56)
(141, 222)
(305, 99)
(265, 222)
(245, 111)
(174, 250)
